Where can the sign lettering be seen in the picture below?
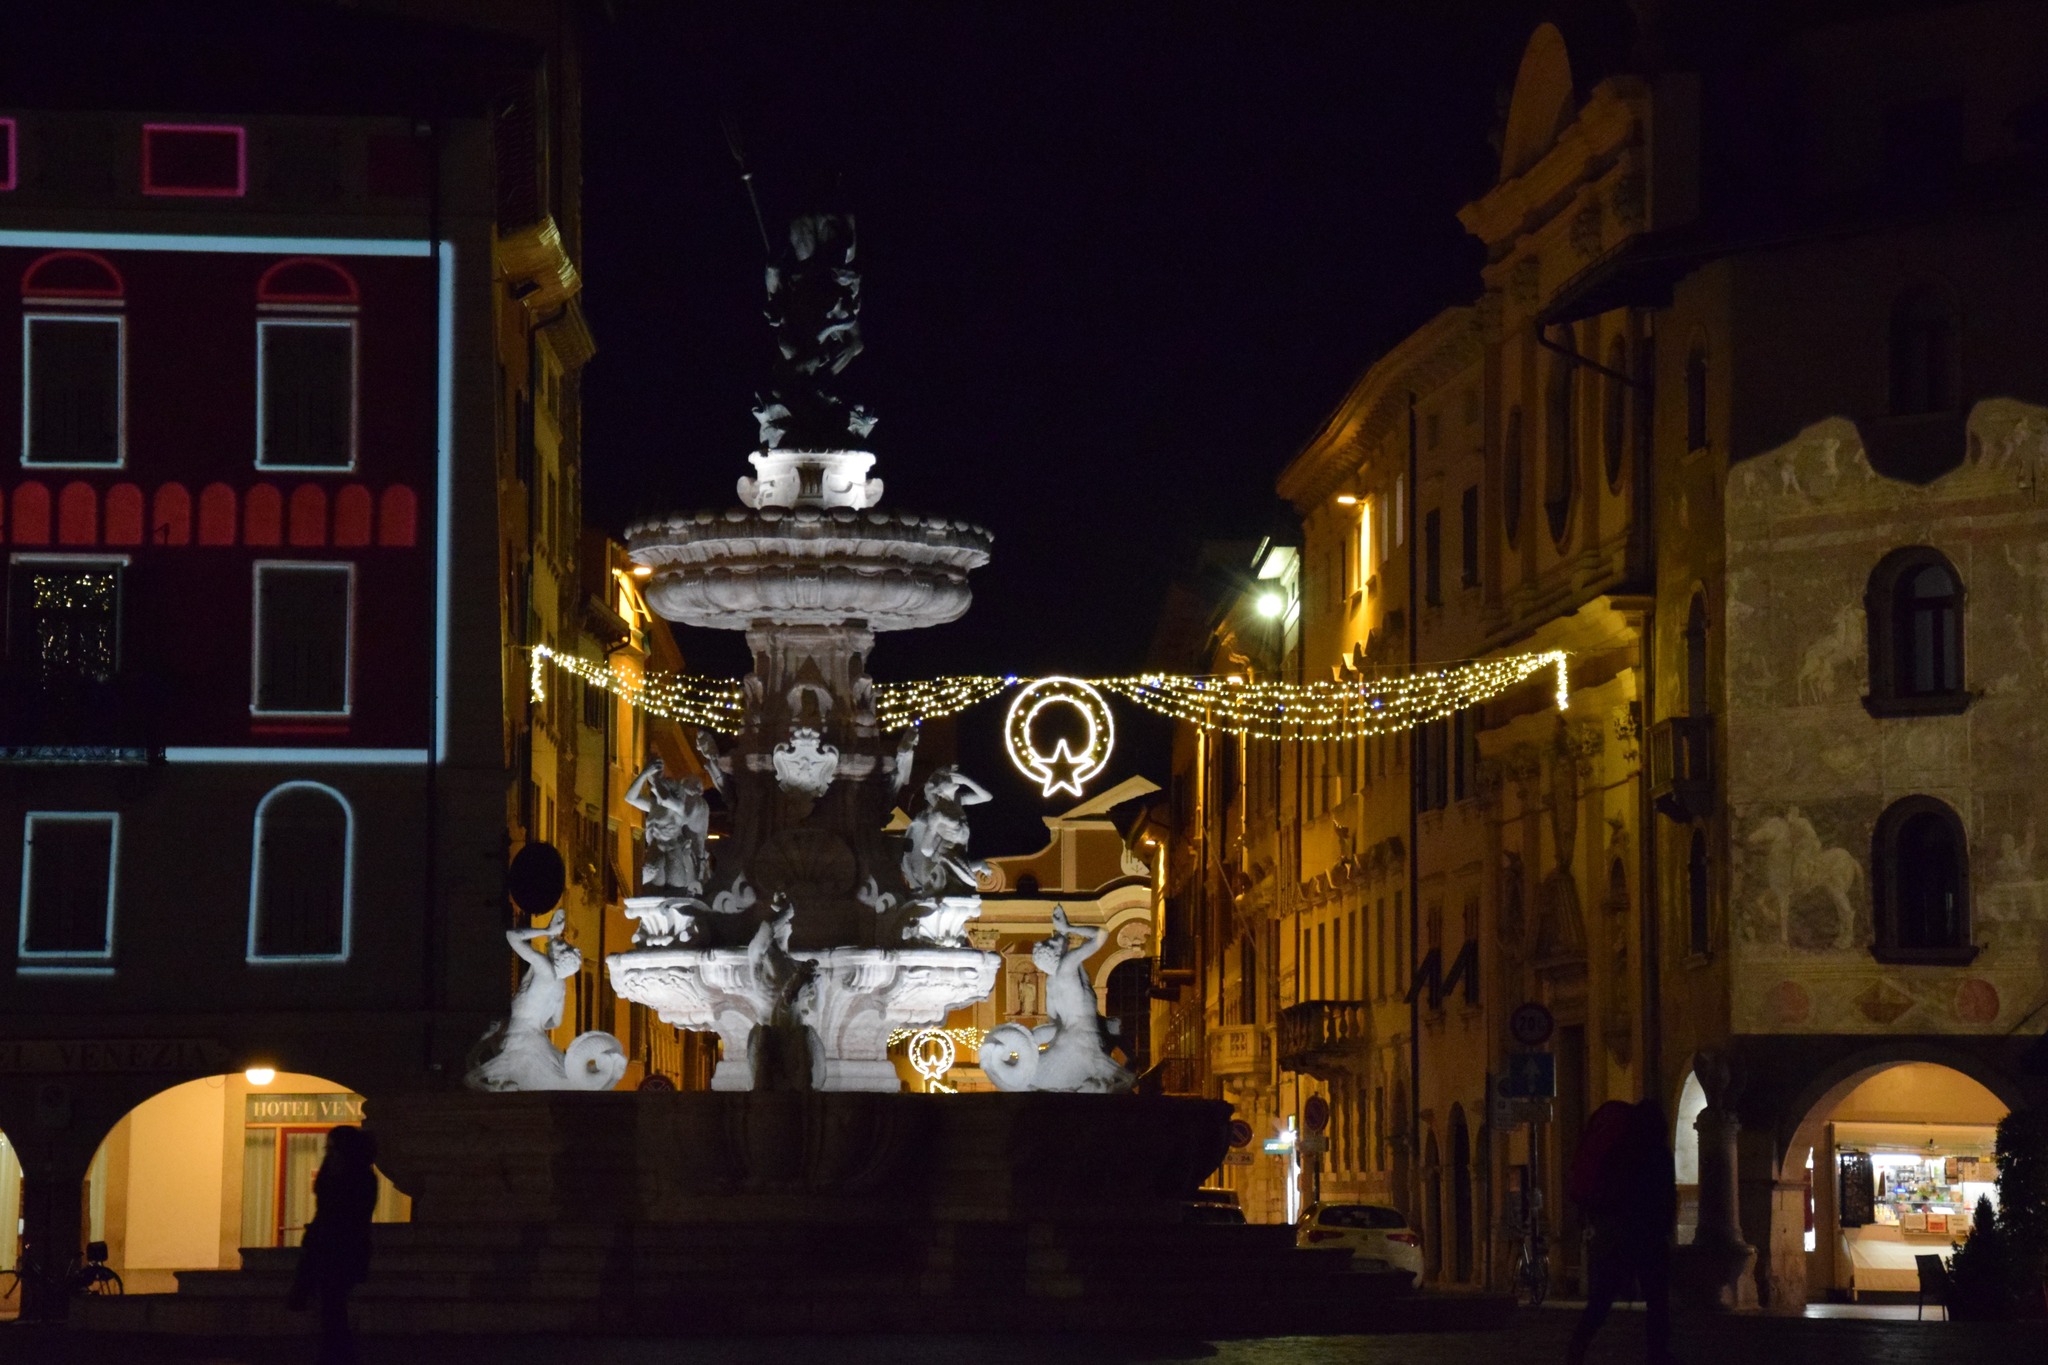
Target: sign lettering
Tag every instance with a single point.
(287, 1109)
(59, 1056)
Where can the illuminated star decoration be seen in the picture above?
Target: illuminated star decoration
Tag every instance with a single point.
(1064, 769)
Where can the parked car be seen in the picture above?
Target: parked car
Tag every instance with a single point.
(1378, 1237)
(1211, 1205)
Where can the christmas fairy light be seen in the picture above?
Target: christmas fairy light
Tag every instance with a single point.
(1313, 712)
(1065, 768)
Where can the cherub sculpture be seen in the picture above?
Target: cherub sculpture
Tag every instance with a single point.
(937, 838)
(678, 831)
(516, 1052)
(1069, 1051)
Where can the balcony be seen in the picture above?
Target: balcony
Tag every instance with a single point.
(1325, 1038)
(1239, 1050)
(77, 720)
(1682, 767)
(1171, 1076)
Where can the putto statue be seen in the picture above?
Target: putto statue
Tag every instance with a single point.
(936, 858)
(678, 831)
(814, 307)
(516, 1053)
(1070, 1051)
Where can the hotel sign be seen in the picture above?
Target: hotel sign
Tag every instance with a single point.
(59, 1056)
(342, 1108)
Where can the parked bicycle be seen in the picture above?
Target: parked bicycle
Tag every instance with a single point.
(1532, 1256)
(42, 1286)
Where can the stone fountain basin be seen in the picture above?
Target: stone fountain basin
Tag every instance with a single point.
(720, 1157)
(809, 566)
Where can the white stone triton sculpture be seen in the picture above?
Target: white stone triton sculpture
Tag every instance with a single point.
(516, 1052)
(1070, 1051)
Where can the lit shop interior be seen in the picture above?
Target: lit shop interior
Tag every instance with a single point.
(196, 1172)
(1907, 1154)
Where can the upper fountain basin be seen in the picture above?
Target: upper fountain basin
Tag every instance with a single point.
(808, 565)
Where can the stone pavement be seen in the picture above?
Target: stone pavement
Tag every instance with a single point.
(1534, 1338)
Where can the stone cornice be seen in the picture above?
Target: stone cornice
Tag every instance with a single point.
(1614, 117)
(1446, 344)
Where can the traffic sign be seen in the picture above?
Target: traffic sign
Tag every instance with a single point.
(1315, 1115)
(1531, 1025)
(1530, 1076)
(1240, 1133)
(1315, 1144)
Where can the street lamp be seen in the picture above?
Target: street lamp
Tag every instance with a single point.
(1271, 604)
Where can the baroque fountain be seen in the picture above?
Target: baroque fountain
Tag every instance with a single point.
(805, 1191)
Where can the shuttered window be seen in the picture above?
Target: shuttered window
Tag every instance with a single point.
(302, 638)
(308, 379)
(69, 883)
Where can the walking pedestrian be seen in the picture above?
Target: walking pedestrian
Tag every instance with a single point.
(1621, 1178)
(334, 1256)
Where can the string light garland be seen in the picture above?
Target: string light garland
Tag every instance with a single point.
(1314, 712)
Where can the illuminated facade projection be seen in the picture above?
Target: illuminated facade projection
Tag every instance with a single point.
(1774, 866)
(296, 472)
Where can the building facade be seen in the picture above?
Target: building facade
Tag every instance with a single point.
(254, 774)
(1744, 421)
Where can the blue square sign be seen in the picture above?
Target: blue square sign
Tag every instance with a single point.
(1530, 1076)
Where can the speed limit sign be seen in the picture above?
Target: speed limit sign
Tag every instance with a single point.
(1315, 1115)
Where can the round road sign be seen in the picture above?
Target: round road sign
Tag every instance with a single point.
(1240, 1133)
(1531, 1025)
(1315, 1114)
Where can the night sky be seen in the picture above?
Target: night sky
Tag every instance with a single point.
(1119, 263)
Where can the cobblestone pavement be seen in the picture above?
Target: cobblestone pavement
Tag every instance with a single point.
(1534, 1338)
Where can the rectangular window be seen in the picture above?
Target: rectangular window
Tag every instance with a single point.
(206, 160)
(1468, 538)
(67, 886)
(64, 620)
(8, 178)
(1400, 509)
(72, 411)
(302, 650)
(306, 394)
(1379, 947)
(1432, 558)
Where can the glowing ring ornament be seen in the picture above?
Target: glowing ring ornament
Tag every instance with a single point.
(1062, 769)
(931, 1055)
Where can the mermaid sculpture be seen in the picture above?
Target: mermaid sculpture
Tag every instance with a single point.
(516, 1052)
(1069, 1051)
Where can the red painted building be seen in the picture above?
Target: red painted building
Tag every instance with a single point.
(257, 476)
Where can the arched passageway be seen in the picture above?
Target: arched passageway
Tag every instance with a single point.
(1897, 1157)
(10, 1225)
(198, 1171)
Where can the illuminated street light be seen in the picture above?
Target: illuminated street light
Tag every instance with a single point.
(1271, 604)
(260, 1075)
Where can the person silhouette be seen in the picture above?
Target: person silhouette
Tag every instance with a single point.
(334, 1256)
(1622, 1178)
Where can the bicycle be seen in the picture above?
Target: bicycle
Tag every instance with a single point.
(1531, 1282)
(45, 1291)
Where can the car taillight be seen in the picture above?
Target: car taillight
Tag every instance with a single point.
(1318, 1235)
(1405, 1238)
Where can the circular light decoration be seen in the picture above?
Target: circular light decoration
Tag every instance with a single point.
(931, 1055)
(1063, 769)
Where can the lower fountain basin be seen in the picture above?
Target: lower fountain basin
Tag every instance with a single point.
(712, 1157)
(859, 997)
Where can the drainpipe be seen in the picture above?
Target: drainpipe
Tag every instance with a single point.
(1414, 826)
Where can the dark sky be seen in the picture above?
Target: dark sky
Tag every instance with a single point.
(1119, 262)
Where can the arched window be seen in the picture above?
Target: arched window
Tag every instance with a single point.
(170, 519)
(1560, 457)
(1511, 477)
(1696, 895)
(124, 515)
(1913, 608)
(1614, 413)
(73, 366)
(301, 875)
(1924, 375)
(1696, 397)
(1696, 698)
(1920, 883)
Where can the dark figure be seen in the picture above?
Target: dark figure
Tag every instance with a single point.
(335, 1254)
(1622, 1179)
